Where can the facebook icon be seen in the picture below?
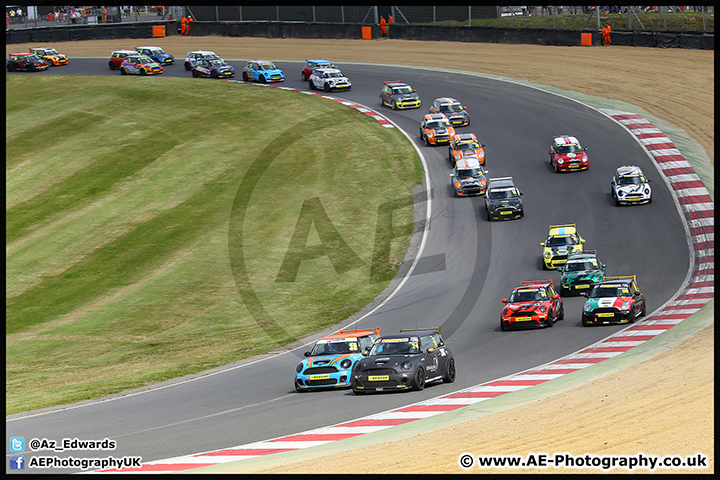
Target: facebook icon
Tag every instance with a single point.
(17, 462)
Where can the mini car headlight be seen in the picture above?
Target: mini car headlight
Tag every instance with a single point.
(547, 254)
(430, 133)
(505, 311)
(406, 366)
(561, 161)
(346, 363)
(621, 193)
(587, 307)
(482, 182)
(299, 368)
(458, 184)
(647, 191)
(458, 156)
(481, 154)
(543, 309)
(625, 305)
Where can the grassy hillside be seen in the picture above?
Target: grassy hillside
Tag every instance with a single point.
(158, 227)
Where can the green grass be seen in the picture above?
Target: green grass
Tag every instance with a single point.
(618, 21)
(157, 227)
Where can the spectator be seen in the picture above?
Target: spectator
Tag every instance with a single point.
(12, 16)
(19, 15)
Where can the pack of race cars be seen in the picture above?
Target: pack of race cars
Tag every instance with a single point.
(363, 359)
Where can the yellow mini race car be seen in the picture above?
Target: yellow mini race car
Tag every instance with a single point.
(50, 55)
(562, 241)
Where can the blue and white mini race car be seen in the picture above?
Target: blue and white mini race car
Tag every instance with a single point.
(332, 358)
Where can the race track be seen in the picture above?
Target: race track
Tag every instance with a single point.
(467, 266)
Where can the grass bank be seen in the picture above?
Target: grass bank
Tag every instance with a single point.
(158, 227)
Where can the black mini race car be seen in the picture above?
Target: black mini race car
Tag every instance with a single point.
(28, 62)
(408, 360)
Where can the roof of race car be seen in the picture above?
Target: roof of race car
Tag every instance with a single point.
(558, 230)
(327, 70)
(629, 170)
(318, 60)
(435, 116)
(501, 182)
(129, 52)
(464, 137)
(201, 51)
(566, 140)
(446, 100)
(147, 46)
(20, 54)
(582, 255)
(41, 48)
(468, 162)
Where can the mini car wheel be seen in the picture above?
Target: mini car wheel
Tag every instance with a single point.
(123, 71)
(31, 68)
(111, 65)
(298, 389)
(143, 72)
(418, 382)
(450, 372)
(503, 327)
(263, 79)
(644, 310)
(550, 321)
(11, 67)
(214, 74)
(195, 73)
(561, 315)
(326, 87)
(394, 106)
(358, 392)
(312, 85)
(245, 77)
(188, 66)
(304, 77)
(585, 323)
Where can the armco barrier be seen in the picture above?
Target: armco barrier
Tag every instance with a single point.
(266, 29)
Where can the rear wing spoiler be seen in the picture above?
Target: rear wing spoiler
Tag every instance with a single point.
(565, 225)
(361, 331)
(434, 329)
(392, 81)
(622, 277)
(500, 178)
(526, 283)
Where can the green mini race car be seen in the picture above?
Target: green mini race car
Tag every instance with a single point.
(581, 271)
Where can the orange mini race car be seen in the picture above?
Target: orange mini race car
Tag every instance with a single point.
(534, 304)
(466, 145)
(50, 55)
(435, 129)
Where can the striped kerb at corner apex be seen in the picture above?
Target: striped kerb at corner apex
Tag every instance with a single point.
(698, 210)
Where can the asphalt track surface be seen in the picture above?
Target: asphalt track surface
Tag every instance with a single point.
(468, 265)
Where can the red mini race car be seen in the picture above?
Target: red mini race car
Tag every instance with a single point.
(534, 304)
(567, 155)
(118, 56)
